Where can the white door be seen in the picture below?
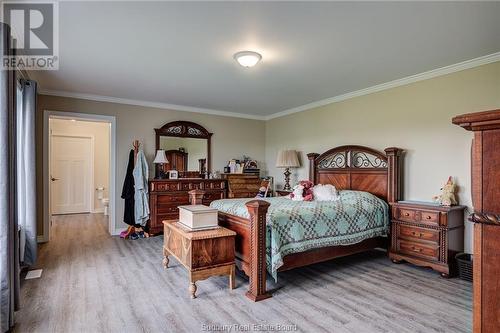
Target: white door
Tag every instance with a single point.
(70, 168)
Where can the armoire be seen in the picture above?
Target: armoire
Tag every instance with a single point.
(485, 175)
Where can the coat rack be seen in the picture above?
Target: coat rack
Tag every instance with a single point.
(131, 229)
(136, 146)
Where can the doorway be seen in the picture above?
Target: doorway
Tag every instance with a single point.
(78, 167)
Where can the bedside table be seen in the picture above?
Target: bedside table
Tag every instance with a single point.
(203, 253)
(427, 234)
(282, 193)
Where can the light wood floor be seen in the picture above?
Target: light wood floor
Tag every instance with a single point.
(96, 283)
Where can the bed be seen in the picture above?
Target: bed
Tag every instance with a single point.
(277, 234)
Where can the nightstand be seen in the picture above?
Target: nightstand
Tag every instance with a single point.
(427, 234)
(203, 253)
(282, 193)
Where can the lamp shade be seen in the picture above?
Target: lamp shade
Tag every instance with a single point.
(287, 159)
(160, 157)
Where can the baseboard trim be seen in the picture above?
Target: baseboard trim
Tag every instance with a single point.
(118, 231)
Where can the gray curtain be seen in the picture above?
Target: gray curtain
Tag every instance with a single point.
(9, 247)
(26, 191)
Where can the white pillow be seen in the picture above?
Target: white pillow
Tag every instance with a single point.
(326, 192)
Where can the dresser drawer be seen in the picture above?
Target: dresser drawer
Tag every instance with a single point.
(178, 199)
(167, 217)
(418, 249)
(167, 209)
(416, 216)
(216, 185)
(429, 217)
(211, 196)
(246, 186)
(406, 214)
(243, 194)
(191, 186)
(160, 187)
(416, 233)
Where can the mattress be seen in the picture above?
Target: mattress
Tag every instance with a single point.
(298, 226)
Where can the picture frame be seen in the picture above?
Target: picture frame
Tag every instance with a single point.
(173, 174)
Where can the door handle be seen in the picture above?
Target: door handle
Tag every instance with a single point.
(54, 179)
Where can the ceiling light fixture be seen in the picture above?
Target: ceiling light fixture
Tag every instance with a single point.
(247, 58)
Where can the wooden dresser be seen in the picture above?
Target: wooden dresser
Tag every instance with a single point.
(485, 169)
(242, 185)
(427, 234)
(165, 195)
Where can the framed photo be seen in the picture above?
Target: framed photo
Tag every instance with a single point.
(173, 174)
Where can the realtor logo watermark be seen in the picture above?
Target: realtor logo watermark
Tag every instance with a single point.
(34, 32)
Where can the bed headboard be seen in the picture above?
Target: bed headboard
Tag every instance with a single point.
(360, 168)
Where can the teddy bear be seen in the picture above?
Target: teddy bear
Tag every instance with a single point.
(447, 196)
(303, 191)
(308, 190)
(296, 195)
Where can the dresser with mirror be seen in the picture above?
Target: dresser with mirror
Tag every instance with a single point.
(187, 147)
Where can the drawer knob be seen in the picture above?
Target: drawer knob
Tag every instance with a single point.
(406, 214)
(416, 249)
(428, 217)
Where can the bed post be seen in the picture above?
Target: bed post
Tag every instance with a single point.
(312, 167)
(257, 289)
(395, 173)
(196, 197)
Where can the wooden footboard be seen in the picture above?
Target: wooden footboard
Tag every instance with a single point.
(250, 243)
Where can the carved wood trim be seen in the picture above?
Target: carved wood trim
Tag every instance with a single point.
(186, 129)
(258, 272)
(486, 218)
(394, 174)
(478, 121)
(355, 160)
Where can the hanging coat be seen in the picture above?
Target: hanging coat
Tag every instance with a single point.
(128, 192)
(141, 175)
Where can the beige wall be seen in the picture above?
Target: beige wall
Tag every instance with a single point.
(100, 132)
(415, 117)
(232, 136)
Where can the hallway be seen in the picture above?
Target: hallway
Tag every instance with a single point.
(92, 282)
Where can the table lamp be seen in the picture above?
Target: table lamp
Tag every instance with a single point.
(287, 159)
(160, 161)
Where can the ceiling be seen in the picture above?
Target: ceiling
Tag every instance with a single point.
(181, 53)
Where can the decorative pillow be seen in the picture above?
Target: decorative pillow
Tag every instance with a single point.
(326, 192)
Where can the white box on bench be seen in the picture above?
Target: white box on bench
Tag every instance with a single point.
(198, 217)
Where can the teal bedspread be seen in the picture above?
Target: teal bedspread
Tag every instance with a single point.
(298, 226)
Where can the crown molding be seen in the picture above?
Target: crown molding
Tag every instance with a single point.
(494, 57)
(484, 60)
(173, 107)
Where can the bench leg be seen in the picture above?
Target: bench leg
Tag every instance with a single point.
(232, 278)
(165, 259)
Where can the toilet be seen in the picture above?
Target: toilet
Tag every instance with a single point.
(105, 203)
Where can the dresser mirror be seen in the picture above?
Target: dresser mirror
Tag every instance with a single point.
(187, 148)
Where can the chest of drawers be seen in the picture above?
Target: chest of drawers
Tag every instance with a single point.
(426, 234)
(242, 185)
(165, 195)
